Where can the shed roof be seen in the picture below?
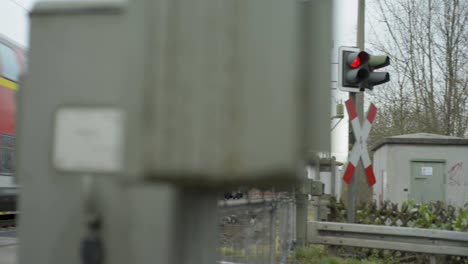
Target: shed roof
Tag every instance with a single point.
(421, 139)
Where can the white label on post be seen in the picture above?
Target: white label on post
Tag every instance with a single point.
(426, 171)
(88, 139)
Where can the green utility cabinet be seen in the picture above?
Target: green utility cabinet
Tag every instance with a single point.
(427, 181)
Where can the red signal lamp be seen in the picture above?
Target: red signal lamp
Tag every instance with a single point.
(356, 60)
(356, 63)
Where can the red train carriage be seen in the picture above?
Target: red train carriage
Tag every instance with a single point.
(12, 65)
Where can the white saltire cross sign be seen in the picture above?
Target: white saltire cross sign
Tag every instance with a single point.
(359, 150)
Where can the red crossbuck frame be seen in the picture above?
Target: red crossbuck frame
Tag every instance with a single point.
(359, 150)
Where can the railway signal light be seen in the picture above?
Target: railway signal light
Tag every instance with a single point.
(352, 69)
(356, 70)
(376, 78)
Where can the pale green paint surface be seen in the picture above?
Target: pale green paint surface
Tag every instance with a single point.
(427, 181)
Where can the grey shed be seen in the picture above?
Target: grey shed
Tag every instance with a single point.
(421, 167)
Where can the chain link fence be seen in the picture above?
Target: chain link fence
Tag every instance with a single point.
(257, 232)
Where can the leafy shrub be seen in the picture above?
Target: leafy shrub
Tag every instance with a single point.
(461, 223)
(435, 215)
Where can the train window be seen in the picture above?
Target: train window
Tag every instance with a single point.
(9, 62)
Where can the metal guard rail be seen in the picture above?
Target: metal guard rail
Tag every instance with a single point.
(421, 240)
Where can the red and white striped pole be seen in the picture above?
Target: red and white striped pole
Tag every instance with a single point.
(359, 150)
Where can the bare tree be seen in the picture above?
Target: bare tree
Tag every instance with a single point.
(428, 44)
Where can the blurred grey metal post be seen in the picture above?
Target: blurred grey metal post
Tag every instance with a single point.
(272, 232)
(301, 218)
(79, 70)
(164, 103)
(356, 184)
(333, 176)
(196, 230)
(169, 224)
(316, 46)
(317, 198)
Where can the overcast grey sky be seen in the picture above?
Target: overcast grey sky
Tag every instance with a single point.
(14, 19)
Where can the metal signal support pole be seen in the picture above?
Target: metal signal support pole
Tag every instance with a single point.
(315, 21)
(358, 99)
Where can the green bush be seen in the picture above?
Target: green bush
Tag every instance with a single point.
(320, 255)
(461, 223)
(435, 215)
(231, 252)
